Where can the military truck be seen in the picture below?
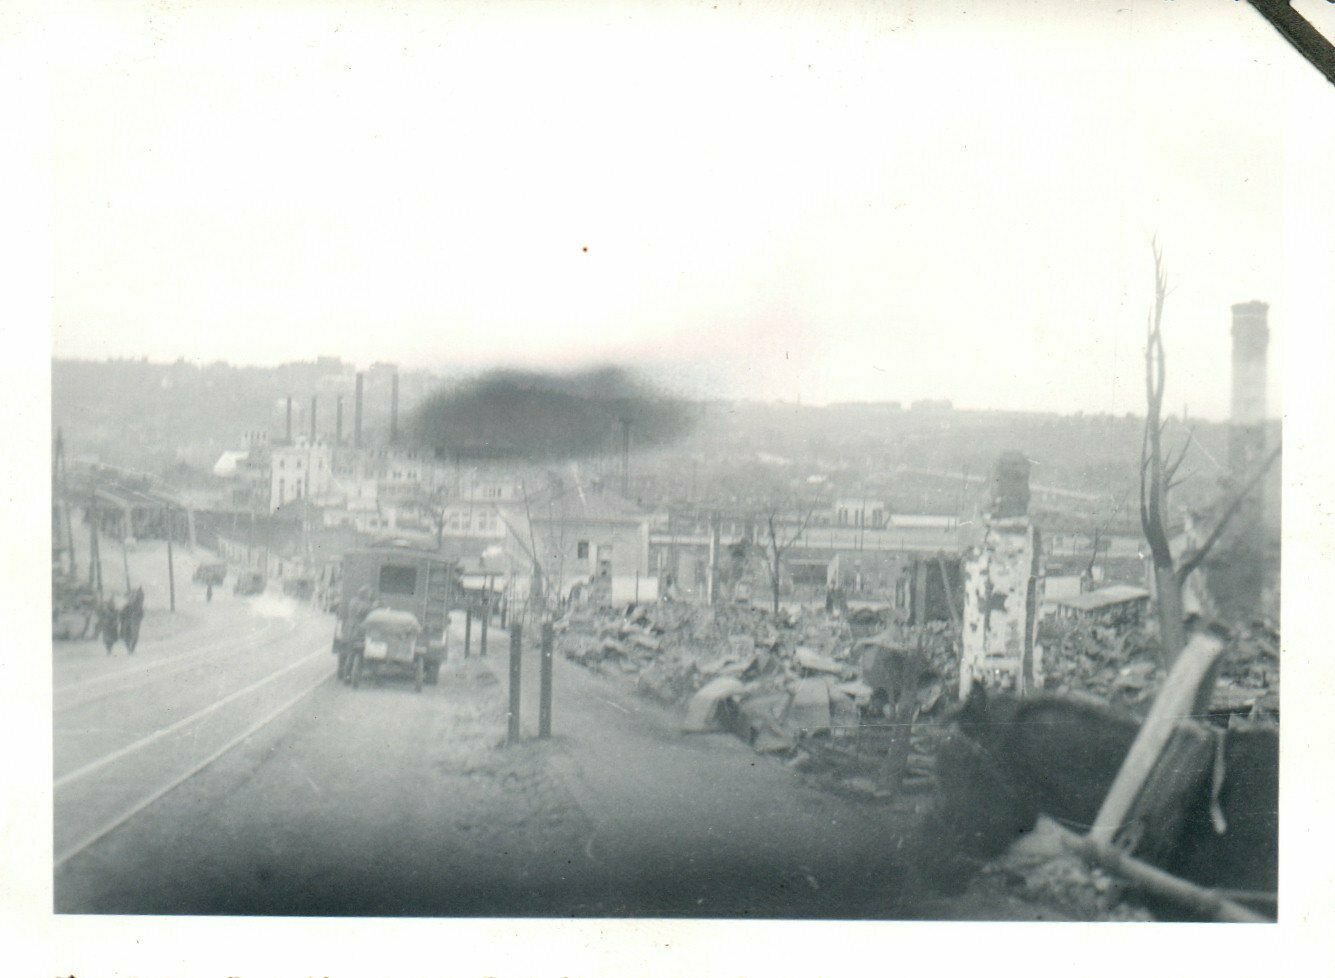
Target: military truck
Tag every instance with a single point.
(248, 583)
(400, 577)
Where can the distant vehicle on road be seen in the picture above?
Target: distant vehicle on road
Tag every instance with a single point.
(397, 577)
(73, 608)
(301, 588)
(249, 582)
(214, 572)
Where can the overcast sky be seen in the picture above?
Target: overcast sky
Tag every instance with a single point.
(815, 201)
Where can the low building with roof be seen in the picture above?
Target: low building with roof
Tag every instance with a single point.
(1117, 604)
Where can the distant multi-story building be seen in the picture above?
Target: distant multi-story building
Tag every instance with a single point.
(302, 470)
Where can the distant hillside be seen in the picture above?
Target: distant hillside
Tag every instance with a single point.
(154, 416)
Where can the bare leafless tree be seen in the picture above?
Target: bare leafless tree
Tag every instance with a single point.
(1099, 536)
(432, 505)
(1158, 476)
(778, 543)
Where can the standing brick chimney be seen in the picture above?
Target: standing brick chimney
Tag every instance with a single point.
(313, 407)
(287, 436)
(338, 419)
(1009, 492)
(357, 411)
(394, 408)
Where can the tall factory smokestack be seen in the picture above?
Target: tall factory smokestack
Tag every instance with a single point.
(287, 436)
(338, 419)
(394, 408)
(357, 412)
(1246, 437)
(313, 406)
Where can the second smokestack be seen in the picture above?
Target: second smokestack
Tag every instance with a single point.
(357, 412)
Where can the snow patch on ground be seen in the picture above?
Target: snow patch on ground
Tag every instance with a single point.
(274, 606)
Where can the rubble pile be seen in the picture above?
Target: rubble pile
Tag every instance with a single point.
(1248, 686)
(1122, 667)
(827, 690)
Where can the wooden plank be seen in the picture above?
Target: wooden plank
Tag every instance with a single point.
(1176, 701)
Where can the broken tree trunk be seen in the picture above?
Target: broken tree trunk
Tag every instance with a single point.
(1185, 687)
(1152, 880)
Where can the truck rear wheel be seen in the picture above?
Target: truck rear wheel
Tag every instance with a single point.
(433, 672)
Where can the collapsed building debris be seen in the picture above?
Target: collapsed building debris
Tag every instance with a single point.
(861, 698)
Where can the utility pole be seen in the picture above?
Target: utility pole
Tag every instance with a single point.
(125, 546)
(486, 622)
(171, 572)
(94, 552)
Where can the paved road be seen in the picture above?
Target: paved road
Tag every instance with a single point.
(382, 801)
(128, 728)
(221, 769)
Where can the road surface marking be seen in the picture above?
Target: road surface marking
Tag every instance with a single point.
(182, 667)
(183, 662)
(617, 705)
(157, 735)
(92, 680)
(139, 806)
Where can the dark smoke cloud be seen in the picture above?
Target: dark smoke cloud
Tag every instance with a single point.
(514, 414)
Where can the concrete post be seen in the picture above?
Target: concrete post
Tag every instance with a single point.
(516, 665)
(468, 632)
(545, 682)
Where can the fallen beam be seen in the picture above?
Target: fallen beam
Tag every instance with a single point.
(1212, 904)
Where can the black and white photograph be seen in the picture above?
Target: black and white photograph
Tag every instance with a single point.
(802, 462)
